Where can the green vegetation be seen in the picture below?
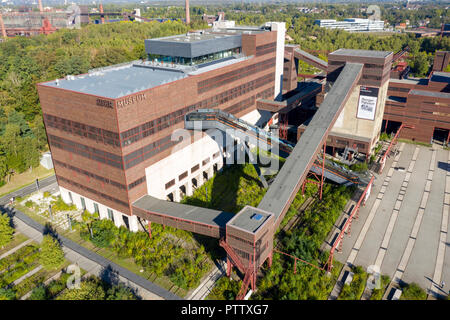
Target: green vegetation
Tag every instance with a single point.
(184, 264)
(412, 291)
(225, 289)
(359, 167)
(385, 137)
(59, 205)
(279, 281)
(51, 255)
(18, 264)
(231, 190)
(377, 294)
(6, 231)
(355, 289)
(95, 289)
(414, 142)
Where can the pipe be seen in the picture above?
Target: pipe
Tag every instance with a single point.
(188, 19)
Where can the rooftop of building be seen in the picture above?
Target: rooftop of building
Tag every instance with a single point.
(121, 80)
(438, 76)
(433, 94)
(361, 53)
(250, 219)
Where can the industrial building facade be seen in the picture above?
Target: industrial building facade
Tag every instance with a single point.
(110, 131)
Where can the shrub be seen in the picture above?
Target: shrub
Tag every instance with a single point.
(29, 204)
(59, 205)
(47, 194)
(104, 233)
(359, 167)
(412, 291)
(6, 231)
(7, 294)
(90, 289)
(385, 137)
(51, 255)
(38, 293)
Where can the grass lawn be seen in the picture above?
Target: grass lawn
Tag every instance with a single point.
(18, 239)
(21, 180)
(414, 142)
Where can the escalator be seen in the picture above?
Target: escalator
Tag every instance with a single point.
(203, 119)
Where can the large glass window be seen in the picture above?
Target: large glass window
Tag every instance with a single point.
(83, 203)
(196, 60)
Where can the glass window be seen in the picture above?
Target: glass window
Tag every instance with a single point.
(83, 203)
(110, 215)
(96, 208)
(70, 197)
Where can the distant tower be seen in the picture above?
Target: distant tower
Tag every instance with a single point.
(188, 19)
(2, 26)
(41, 9)
(101, 14)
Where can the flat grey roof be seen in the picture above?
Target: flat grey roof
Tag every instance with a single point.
(361, 53)
(441, 77)
(303, 154)
(193, 45)
(246, 219)
(215, 218)
(433, 94)
(118, 82)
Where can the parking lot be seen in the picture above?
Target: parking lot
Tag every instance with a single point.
(403, 228)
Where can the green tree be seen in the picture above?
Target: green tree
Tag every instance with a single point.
(120, 292)
(51, 256)
(6, 231)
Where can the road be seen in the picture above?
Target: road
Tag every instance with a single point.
(28, 189)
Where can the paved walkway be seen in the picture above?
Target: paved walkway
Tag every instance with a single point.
(404, 229)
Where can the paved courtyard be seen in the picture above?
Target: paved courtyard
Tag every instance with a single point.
(403, 228)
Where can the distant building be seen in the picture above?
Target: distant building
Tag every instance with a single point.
(352, 24)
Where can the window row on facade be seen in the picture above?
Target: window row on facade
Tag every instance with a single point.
(266, 49)
(161, 123)
(83, 130)
(85, 151)
(218, 81)
(98, 193)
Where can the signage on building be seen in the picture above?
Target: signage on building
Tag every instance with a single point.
(130, 100)
(105, 103)
(367, 105)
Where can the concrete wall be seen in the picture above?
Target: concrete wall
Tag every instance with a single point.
(348, 124)
(103, 210)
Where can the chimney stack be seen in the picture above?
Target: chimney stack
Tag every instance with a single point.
(41, 9)
(188, 18)
(2, 26)
(101, 14)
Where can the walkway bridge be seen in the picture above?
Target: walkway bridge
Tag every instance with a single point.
(248, 248)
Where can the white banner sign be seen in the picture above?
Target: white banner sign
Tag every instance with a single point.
(367, 103)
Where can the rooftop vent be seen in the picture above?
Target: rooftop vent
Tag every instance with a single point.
(256, 216)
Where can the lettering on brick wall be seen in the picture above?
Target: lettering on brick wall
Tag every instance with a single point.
(104, 103)
(131, 100)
